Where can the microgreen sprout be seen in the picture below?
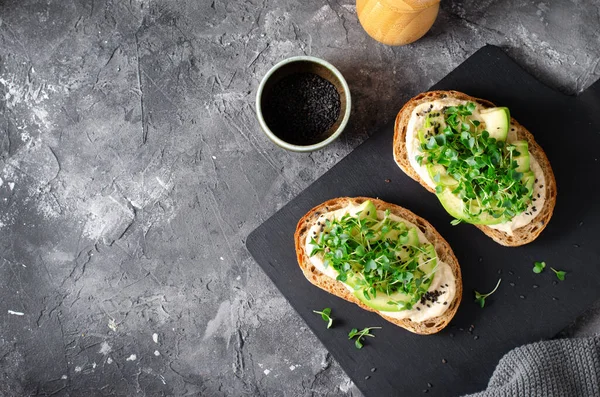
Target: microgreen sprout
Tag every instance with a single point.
(360, 335)
(480, 298)
(326, 316)
(538, 267)
(559, 274)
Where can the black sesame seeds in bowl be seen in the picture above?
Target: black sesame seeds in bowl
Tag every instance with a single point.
(303, 104)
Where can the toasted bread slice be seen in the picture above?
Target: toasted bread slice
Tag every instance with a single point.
(522, 235)
(335, 287)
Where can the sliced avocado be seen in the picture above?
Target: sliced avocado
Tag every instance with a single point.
(428, 259)
(355, 280)
(423, 135)
(380, 302)
(497, 122)
(433, 125)
(528, 180)
(444, 178)
(523, 158)
(458, 209)
(367, 210)
(411, 238)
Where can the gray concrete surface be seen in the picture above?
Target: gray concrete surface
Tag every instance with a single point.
(132, 168)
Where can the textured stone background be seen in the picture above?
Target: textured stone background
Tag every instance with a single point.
(132, 168)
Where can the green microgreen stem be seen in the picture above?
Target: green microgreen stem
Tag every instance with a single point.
(358, 343)
(326, 316)
(480, 298)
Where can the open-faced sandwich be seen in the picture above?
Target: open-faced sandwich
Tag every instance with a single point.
(382, 257)
(485, 168)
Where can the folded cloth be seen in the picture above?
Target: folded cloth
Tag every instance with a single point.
(563, 367)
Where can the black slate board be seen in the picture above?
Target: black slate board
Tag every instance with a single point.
(568, 130)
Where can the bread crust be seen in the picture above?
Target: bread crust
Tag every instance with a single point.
(316, 277)
(522, 235)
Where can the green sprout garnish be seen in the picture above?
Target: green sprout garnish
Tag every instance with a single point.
(326, 316)
(360, 335)
(559, 274)
(480, 298)
(538, 267)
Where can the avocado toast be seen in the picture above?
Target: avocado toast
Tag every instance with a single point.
(382, 257)
(485, 168)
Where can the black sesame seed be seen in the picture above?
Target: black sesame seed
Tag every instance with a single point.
(418, 308)
(476, 337)
(429, 385)
(452, 335)
(512, 284)
(499, 271)
(555, 282)
(425, 391)
(522, 296)
(388, 180)
(539, 195)
(536, 180)
(444, 361)
(554, 298)
(428, 305)
(445, 303)
(510, 272)
(367, 377)
(535, 286)
(373, 369)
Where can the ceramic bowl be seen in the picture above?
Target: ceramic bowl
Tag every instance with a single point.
(304, 64)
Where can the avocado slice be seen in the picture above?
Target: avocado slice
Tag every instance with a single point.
(355, 280)
(380, 302)
(456, 207)
(367, 210)
(497, 122)
(428, 259)
(434, 125)
(412, 239)
(528, 180)
(445, 179)
(523, 158)
(423, 135)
